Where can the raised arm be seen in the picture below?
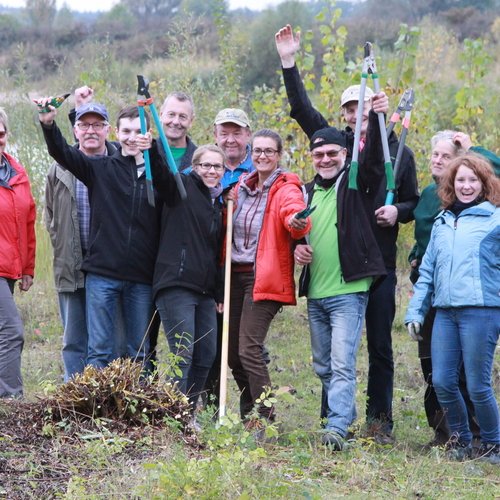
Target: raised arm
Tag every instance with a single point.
(301, 109)
(163, 179)
(371, 159)
(66, 156)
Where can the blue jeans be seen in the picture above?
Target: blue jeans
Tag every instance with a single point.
(190, 323)
(72, 308)
(103, 299)
(75, 336)
(470, 333)
(379, 316)
(335, 324)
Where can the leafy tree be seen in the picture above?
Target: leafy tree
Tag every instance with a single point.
(263, 60)
(116, 22)
(65, 18)
(468, 22)
(41, 13)
(148, 9)
(202, 7)
(10, 30)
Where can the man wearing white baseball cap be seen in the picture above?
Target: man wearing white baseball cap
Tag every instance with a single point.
(381, 304)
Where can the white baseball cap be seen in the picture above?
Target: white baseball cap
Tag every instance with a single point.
(352, 94)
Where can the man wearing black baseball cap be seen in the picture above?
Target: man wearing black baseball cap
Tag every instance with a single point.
(341, 261)
(386, 218)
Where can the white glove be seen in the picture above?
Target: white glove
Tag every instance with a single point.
(414, 330)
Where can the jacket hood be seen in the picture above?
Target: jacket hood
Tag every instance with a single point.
(284, 177)
(486, 209)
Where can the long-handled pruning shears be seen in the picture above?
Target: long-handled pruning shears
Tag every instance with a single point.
(143, 90)
(405, 104)
(369, 68)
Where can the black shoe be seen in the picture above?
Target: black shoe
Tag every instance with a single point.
(488, 452)
(440, 439)
(380, 432)
(458, 450)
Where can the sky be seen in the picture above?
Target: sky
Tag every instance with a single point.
(94, 5)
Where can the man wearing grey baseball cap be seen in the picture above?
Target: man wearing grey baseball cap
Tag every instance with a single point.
(232, 134)
(386, 218)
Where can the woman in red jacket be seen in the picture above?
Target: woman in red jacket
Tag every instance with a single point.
(265, 226)
(17, 261)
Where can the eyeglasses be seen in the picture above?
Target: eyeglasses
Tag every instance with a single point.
(97, 126)
(3, 133)
(331, 154)
(218, 167)
(269, 152)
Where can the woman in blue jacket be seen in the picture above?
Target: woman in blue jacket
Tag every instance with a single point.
(460, 274)
(446, 145)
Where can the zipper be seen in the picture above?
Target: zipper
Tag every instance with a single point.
(134, 196)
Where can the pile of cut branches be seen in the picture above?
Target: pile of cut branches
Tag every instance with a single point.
(120, 392)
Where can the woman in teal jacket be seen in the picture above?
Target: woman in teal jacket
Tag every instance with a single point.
(460, 274)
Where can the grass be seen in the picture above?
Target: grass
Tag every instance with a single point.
(230, 463)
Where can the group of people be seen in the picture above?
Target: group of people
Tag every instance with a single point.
(121, 263)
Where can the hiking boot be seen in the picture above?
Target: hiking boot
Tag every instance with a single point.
(257, 428)
(457, 450)
(333, 440)
(440, 439)
(194, 426)
(380, 432)
(489, 452)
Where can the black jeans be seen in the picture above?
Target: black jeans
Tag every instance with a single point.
(190, 325)
(379, 317)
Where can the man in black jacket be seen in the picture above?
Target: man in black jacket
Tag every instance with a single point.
(177, 116)
(67, 218)
(124, 233)
(341, 259)
(381, 305)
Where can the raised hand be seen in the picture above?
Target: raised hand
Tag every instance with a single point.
(380, 103)
(287, 45)
(83, 95)
(46, 117)
(462, 140)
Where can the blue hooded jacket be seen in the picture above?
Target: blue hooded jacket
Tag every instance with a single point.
(461, 266)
